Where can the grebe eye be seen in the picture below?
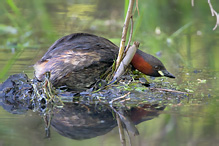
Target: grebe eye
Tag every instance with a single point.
(156, 67)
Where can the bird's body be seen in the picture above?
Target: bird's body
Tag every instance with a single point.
(77, 61)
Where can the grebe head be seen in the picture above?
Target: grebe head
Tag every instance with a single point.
(149, 65)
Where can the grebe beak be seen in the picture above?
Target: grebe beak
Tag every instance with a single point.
(166, 73)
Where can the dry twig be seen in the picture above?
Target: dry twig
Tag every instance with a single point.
(169, 90)
(136, 7)
(124, 33)
(130, 36)
(121, 130)
(213, 12)
(118, 98)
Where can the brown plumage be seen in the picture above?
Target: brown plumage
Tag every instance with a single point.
(77, 61)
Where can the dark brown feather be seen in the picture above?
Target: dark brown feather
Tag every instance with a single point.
(77, 60)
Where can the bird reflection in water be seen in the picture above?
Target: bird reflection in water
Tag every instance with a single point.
(81, 121)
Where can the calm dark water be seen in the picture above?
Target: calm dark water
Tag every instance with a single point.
(180, 35)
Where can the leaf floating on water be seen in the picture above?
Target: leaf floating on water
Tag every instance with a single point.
(189, 90)
(201, 81)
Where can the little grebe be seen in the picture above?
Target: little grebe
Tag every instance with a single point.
(76, 61)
